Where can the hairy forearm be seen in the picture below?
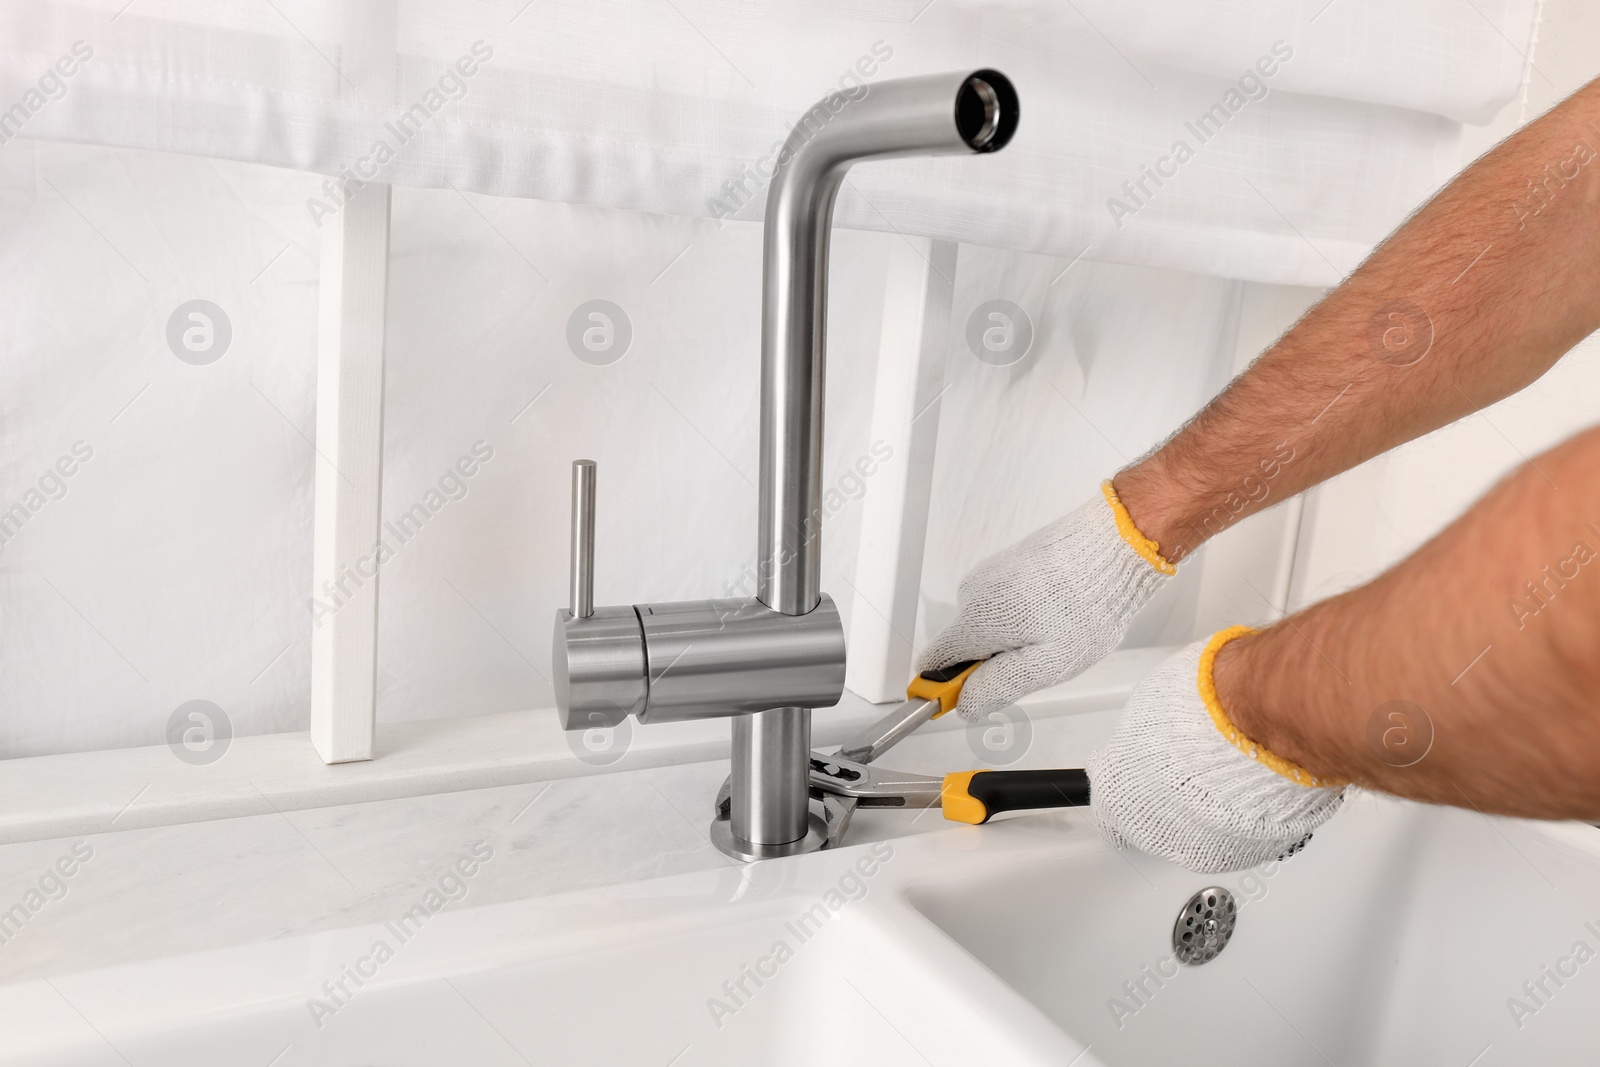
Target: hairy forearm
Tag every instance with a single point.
(1467, 675)
(1473, 298)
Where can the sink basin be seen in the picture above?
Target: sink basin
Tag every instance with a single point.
(640, 998)
(785, 963)
(1402, 935)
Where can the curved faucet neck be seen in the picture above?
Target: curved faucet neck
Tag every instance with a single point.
(931, 115)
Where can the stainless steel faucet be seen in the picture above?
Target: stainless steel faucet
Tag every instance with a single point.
(767, 661)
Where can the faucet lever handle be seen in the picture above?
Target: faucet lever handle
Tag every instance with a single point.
(583, 479)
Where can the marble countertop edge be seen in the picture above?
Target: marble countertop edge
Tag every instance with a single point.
(46, 797)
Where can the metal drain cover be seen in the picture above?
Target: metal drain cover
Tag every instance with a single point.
(1204, 926)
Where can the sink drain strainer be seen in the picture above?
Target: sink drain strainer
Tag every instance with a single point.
(1204, 926)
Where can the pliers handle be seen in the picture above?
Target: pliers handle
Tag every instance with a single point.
(964, 796)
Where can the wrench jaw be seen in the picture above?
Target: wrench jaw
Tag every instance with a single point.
(836, 813)
(843, 782)
(842, 785)
(874, 787)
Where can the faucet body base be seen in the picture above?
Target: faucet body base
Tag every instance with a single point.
(729, 844)
(769, 778)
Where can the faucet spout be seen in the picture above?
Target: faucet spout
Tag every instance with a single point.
(767, 661)
(938, 114)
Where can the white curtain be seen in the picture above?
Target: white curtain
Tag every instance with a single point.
(1309, 127)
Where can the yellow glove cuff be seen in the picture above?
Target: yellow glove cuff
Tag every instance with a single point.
(1148, 549)
(1235, 737)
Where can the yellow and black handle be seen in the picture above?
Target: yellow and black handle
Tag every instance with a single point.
(942, 684)
(973, 796)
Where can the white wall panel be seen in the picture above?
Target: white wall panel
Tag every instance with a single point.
(175, 566)
(180, 556)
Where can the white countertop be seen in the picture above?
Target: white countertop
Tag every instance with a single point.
(161, 890)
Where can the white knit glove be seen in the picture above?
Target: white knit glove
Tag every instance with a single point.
(1049, 606)
(1179, 780)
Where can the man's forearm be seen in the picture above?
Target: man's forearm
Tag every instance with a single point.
(1469, 674)
(1472, 299)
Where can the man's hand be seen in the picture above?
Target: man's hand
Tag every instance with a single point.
(1049, 606)
(1489, 631)
(1466, 674)
(1179, 779)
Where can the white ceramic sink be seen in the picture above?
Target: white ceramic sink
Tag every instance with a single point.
(1396, 938)
(1400, 936)
(645, 973)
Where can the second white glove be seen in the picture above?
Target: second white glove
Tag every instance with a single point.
(1181, 781)
(1048, 607)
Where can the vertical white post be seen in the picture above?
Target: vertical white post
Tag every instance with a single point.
(354, 284)
(894, 518)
